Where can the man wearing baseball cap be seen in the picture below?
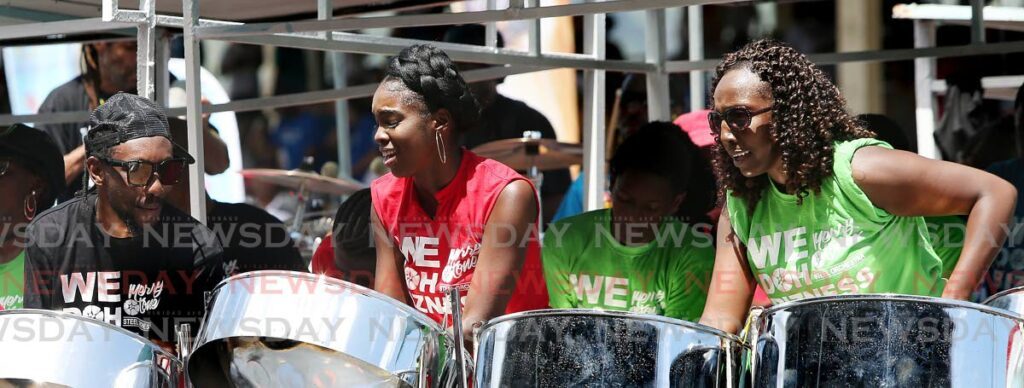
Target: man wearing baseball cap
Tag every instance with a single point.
(117, 253)
(31, 176)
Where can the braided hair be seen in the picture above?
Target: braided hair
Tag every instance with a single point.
(351, 234)
(808, 115)
(662, 149)
(435, 81)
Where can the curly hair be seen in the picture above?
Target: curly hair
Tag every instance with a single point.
(808, 115)
(661, 148)
(431, 75)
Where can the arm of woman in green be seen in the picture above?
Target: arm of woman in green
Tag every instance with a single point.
(906, 184)
(732, 283)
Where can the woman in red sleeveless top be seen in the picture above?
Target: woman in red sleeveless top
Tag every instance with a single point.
(445, 217)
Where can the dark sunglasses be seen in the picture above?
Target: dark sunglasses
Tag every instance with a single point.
(737, 118)
(140, 172)
(5, 165)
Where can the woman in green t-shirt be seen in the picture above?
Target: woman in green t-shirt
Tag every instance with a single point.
(816, 207)
(31, 176)
(648, 253)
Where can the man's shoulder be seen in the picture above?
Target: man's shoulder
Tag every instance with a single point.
(52, 231)
(69, 96)
(62, 213)
(171, 214)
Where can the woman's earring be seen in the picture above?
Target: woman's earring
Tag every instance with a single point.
(440, 147)
(30, 206)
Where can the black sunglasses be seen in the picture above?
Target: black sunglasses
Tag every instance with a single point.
(140, 172)
(737, 118)
(5, 165)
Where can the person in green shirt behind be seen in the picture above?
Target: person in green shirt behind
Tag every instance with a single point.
(642, 255)
(815, 206)
(31, 176)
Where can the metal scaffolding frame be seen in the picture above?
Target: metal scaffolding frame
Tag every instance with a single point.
(327, 34)
(927, 18)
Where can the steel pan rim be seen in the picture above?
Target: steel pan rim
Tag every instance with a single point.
(414, 314)
(891, 298)
(1003, 293)
(73, 317)
(611, 314)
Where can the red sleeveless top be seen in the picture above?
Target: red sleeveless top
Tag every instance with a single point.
(442, 252)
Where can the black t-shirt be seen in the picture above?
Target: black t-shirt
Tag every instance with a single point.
(508, 119)
(146, 284)
(253, 240)
(69, 97)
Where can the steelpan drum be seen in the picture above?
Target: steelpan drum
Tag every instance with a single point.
(884, 340)
(1012, 300)
(291, 329)
(40, 348)
(589, 348)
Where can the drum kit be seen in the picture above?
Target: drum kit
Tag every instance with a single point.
(307, 229)
(289, 329)
(532, 155)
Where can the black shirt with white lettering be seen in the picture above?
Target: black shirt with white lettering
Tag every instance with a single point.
(146, 284)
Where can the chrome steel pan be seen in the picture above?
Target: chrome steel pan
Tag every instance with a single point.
(280, 328)
(55, 349)
(887, 341)
(587, 348)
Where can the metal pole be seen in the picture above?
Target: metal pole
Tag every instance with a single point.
(455, 301)
(594, 114)
(513, 13)
(924, 73)
(657, 80)
(324, 12)
(534, 29)
(491, 33)
(193, 109)
(109, 10)
(161, 55)
(977, 21)
(695, 35)
(145, 51)
(63, 27)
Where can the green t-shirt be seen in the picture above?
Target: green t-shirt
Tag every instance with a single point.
(947, 236)
(586, 267)
(12, 283)
(836, 242)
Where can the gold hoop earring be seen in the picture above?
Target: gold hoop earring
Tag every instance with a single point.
(441, 152)
(30, 206)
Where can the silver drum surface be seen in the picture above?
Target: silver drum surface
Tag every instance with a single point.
(40, 348)
(884, 340)
(589, 348)
(291, 329)
(1012, 300)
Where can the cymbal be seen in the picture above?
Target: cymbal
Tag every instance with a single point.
(296, 179)
(522, 153)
